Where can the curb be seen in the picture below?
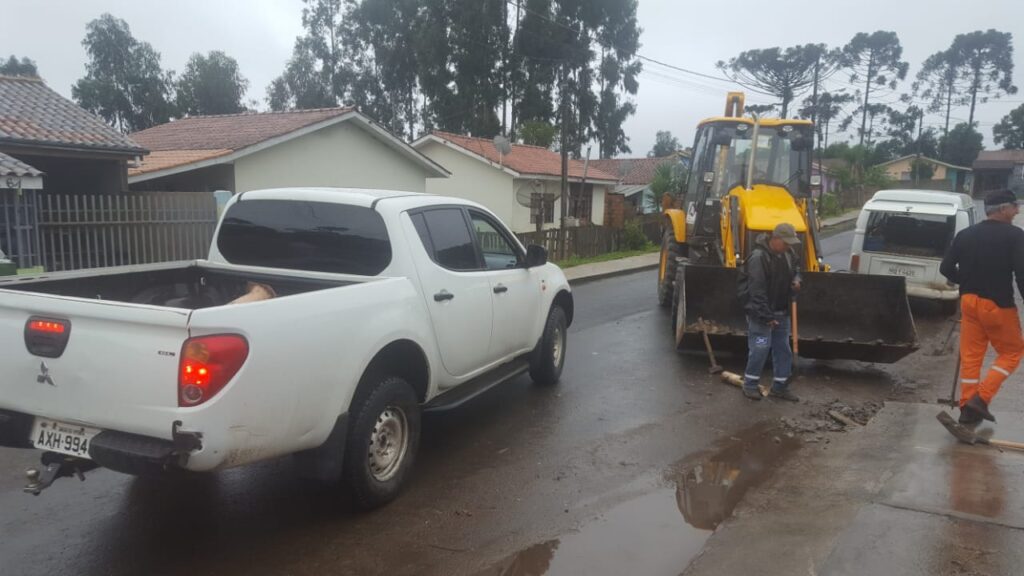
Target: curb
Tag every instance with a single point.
(612, 274)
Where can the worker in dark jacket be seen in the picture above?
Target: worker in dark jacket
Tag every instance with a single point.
(770, 279)
(984, 259)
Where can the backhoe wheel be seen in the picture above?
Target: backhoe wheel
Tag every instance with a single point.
(382, 442)
(548, 358)
(670, 252)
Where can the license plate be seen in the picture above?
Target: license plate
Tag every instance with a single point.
(70, 439)
(907, 271)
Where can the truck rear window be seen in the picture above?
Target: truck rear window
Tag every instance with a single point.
(314, 236)
(925, 235)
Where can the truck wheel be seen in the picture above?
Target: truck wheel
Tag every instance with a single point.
(382, 443)
(670, 251)
(549, 357)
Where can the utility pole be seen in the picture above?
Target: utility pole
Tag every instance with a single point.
(563, 93)
(917, 160)
(814, 116)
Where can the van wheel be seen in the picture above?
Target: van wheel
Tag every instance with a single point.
(670, 252)
(382, 443)
(548, 358)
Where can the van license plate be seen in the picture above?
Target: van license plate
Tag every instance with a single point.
(908, 271)
(70, 439)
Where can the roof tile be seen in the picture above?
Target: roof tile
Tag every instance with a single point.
(10, 166)
(527, 160)
(32, 113)
(230, 131)
(632, 170)
(163, 159)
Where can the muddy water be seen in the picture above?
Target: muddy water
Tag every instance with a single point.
(661, 531)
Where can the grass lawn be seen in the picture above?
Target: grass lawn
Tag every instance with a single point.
(570, 262)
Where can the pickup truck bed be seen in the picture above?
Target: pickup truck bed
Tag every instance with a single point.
(190, 285)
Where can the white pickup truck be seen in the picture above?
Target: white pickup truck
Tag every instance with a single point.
(385, 304)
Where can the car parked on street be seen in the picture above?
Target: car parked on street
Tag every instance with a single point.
(321, 325)
(906, 233)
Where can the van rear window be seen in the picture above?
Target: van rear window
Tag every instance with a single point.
(313, 236)
(925, 235)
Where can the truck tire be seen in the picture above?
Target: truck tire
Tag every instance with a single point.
(549, 357)
(383, 438)
(670, 252)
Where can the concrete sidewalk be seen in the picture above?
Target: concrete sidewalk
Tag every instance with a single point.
(598, 270)
(841, 219)
(899, 497)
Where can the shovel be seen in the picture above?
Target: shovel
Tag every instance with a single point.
(715, 368)
(967, 436)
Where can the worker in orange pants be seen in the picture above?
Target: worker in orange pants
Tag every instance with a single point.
(984, 260)
(982, 321)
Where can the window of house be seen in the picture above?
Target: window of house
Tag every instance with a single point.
(545, 202)
(581, 202)
(447, 238)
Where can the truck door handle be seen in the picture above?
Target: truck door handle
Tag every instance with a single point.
(443, 295)
(500, 288)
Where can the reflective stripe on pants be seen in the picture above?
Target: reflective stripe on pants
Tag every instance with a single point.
(982, 322)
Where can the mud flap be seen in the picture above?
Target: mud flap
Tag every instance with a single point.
(841, 316)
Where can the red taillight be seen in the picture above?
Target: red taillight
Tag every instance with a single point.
(855, 263)
(208, 363)
(47, 326)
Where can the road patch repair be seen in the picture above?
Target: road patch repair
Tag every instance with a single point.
(662, 530)
(897, 496)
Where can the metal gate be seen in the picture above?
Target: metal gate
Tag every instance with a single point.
(19, 227)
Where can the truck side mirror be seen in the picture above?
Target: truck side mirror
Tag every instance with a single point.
(536, 256)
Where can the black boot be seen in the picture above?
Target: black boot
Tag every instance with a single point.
(978, 406)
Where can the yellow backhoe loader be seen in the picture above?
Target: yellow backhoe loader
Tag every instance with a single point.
(746, 176)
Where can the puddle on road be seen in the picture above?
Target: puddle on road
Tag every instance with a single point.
(662, 531)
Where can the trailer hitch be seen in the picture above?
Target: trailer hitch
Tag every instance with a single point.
(55, 466)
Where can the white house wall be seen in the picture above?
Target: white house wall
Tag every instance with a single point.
(341, 155)
(474, 180)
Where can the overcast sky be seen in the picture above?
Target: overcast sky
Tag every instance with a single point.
(684, 33)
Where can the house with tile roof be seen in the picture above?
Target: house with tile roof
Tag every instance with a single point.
(337, 147)
(997, 169)
(636, 175)
(70, 149)
(521, 186)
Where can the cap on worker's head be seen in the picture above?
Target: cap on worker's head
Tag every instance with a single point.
(1000, 197)
(786, 233)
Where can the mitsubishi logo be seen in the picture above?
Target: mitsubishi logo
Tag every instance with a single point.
(44, 375)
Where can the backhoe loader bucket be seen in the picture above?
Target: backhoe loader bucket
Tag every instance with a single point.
(848, 316)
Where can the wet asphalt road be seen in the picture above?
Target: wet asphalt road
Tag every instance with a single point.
(520, 481)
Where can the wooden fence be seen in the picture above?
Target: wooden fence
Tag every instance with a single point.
(69, 232)
(588, 241)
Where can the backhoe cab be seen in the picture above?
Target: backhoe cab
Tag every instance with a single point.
(747, 176)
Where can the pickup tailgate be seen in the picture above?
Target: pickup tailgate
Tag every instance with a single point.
(118, 371)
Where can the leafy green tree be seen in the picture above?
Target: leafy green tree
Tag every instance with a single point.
(665, 144)
(535, 133)
(985, 61)
(1010, 130)
(873, 61)
(829, 106)
(124, 83)
(15, 67)
(760, 109)
(939, 82)
(962, 145)
(667, 180)
(211, 84)
(303, 84)
(785, 74)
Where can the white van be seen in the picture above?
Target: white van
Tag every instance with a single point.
(906, 233)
